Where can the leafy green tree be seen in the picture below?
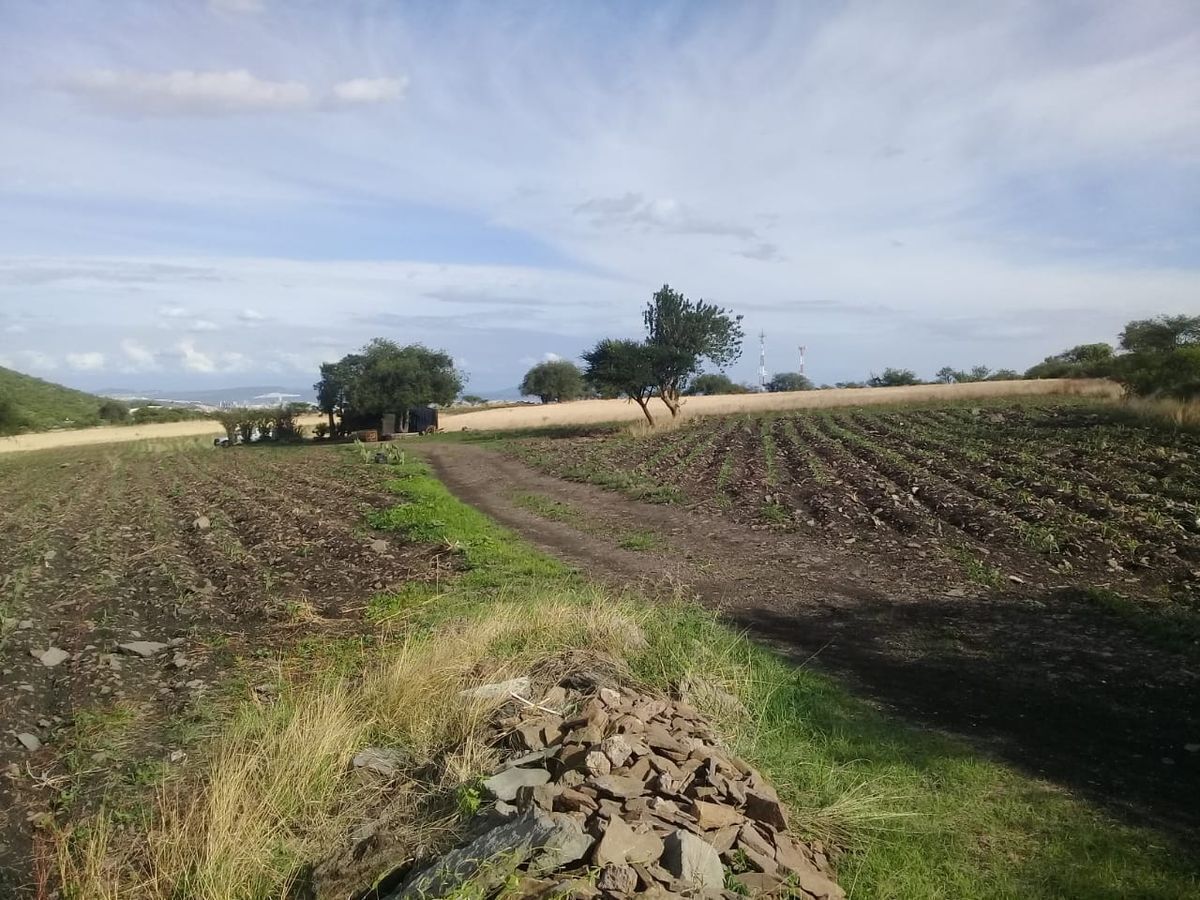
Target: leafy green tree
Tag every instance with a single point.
(712, 383)
(553, 381)
(333, 390)
(473, 399)
(11, 420)
(1004, 375)
(622, 368)
(1081, 361)
(1161, 334)
(681, 335)
(1162, 357)
(394, 378)
(789, 381)
(113, 412)
(893, 378)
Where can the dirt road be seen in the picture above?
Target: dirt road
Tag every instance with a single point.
(1063, 690)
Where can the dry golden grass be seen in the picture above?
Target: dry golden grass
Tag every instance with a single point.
(592, 412)
(276, 794)
(1178, 412)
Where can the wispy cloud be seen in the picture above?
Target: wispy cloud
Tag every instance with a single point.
(215, 93)
(90, 361)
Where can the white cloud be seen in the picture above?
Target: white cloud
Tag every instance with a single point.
(86, 362)
(551, 357)
(195, 360)
(15, 328)
(237, 6)
(251, 315)
(139, 357)
(187, 92)
(215, 93)
(203, 325)
(35, 359)
(173, 312)
(369, 90)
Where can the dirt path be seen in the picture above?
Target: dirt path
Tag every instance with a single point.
(1063, 690)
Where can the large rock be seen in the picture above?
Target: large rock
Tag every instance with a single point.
(546, 841)
(505, 785)
(380, 760)
(621, 845)
(499, 690)
(693, 861)
(144, 649)
(51, 657)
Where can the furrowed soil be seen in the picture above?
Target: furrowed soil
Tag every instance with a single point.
(223, 555)
(914, 555)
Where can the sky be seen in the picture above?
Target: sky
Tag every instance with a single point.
(204, 193)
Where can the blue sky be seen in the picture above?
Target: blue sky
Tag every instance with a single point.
(219, 192)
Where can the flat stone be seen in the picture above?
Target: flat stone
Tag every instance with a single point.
(548, 841)
(609, 697)
(713, 816)
(617, 879)
(29, 741)
(617, 748)
(620, 786)
(202, 523)
(52, 657)
(144, 649)
(620, 845)
(757, 883)
(818, 886)
(597, 763)
(750, 839)
(723, 839)
(789, 856)
(693, 861)
(765, 809)
(380, 760)
(571, 800)
(505, 785)
(499, 690)
(379, 545)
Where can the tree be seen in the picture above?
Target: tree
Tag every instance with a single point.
(712, 383)
(394, 378)
(1004, 375)
(1162, 357)
(617, 368)
(114, 412)
(11, 420)
(681, 334)
(1081, 361)
(473, 399)
(893, 378)
(789, 381)
(333, 390)
(1161, 334)
(553, 381)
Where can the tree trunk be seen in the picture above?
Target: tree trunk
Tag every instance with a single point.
(671, 399)
(644, 403)
(332, 430)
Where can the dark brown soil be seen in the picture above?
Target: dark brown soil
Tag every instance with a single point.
(1030, 673)
(101, 546)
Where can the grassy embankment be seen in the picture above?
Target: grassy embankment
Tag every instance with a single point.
(920, 815)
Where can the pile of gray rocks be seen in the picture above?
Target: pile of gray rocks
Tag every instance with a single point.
(607, 793)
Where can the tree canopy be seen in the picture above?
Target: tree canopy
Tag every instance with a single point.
(789, 381)
(1081, 361)
(682, 335)
(622, 368)
(554, 381)
(385, 377)
(893, 378)
(1162, 357)
(712, 383)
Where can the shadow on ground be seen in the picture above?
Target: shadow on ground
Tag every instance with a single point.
(1063, 690)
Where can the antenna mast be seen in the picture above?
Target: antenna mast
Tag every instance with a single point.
(762, 360)
(801, 359)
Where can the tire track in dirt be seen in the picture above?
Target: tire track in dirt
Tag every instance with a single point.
(1064, 690)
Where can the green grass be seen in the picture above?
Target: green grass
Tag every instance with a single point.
(639, 539)
(922, 816)
(31, 404)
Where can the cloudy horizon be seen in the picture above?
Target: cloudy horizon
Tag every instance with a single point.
(207, 193)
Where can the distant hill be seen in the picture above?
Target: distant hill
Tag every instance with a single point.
(31, 404)
(248, 395)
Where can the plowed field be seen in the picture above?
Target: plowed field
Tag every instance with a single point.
(1063, 493)
(219, 554)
